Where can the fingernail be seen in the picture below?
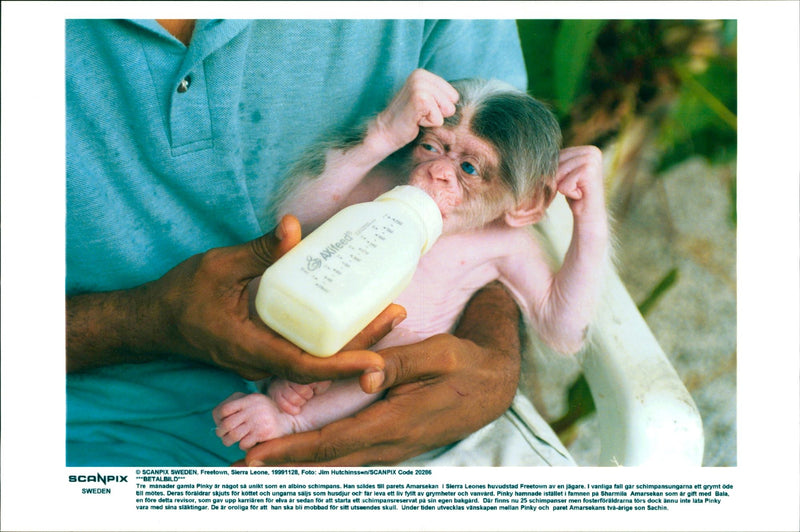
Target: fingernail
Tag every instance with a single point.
(256, 463)
(374, 379)
(397, 321)
(280, 231)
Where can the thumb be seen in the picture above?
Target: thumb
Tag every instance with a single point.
(431, 118)
(570, 187)
(265, 250)
(408, 363)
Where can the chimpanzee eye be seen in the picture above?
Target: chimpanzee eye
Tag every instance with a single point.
(468, 168)
(428, 147)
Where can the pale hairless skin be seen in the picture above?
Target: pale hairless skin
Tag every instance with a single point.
(199, 310)
(484, 239)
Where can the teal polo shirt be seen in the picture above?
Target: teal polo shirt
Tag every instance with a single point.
(172, 150)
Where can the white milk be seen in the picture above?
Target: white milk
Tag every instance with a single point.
(340, 277)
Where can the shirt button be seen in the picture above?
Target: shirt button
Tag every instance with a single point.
(183, 86)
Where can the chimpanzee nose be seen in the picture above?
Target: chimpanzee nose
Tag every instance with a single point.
(442, 170)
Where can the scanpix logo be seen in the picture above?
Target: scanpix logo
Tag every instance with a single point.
(98, 478)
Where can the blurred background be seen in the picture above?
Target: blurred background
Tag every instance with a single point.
(659, 97)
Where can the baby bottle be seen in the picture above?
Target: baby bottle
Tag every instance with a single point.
(326, 289)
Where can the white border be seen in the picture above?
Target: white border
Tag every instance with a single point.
(35, 495)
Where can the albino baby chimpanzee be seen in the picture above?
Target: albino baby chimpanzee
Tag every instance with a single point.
(489, 156)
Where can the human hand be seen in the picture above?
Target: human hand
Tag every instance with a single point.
(199, 310)
(580, 178)
(439, 391)
(425, 100)
(204, 311)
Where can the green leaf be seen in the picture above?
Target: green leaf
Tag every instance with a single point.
(702, 121)
(536, 38)
(660, 289)
(580, 404)
(573, 45)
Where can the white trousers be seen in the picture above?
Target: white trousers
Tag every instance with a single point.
(520, 437)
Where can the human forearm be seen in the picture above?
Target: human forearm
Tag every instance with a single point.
(112, 328)
(491, 321)
(200, 310)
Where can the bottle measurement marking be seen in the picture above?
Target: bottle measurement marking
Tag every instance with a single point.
(367, 238)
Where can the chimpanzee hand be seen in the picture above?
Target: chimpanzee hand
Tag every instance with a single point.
(580, 179)
(424, 101)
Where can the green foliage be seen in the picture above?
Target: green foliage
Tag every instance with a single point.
(599, 74)
(536, 38)
(556, 55)
(574, 42)
(701, 121)
(581, 404)
(659, 290)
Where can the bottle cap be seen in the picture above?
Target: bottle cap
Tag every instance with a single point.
(423, 205)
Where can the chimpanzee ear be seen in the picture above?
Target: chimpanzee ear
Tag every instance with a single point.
(528, 212)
